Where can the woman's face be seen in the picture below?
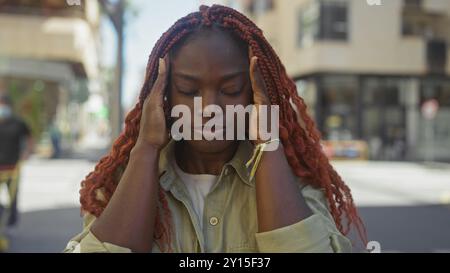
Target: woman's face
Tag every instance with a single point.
(210, 64)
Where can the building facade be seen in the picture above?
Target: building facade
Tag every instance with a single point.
(49, 61)
(365, 70)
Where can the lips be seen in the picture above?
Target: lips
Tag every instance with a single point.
(209, 133)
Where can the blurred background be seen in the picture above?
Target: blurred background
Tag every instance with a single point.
(375, 76)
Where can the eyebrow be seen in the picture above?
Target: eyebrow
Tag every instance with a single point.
(196, 78)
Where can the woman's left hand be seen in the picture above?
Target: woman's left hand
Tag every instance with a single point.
(260, 98)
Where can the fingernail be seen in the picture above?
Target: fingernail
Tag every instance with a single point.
(161, 65)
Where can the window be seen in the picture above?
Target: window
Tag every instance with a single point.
(308, 25)
(436, 89)
(413, 3)
(333, 21)
(263, 6)
(433, 140)
(258, 7)
(416, 21)
(383, 116)
(323, 20)
(338, 106)
(437, 56)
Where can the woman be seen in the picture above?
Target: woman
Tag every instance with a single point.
(155, 194)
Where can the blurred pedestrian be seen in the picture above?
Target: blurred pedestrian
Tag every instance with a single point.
(16, 145)
(55, 136)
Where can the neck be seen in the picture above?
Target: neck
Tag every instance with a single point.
(196, 162)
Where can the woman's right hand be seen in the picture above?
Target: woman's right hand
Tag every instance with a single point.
(153, 131)
(139, 184)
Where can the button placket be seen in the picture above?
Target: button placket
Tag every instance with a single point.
(180, 194)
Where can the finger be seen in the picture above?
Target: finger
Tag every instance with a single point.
(257, 82)
(161, 81)
(250, 52)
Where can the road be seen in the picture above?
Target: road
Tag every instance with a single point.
(405, 206)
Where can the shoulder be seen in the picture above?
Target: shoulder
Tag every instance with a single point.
(317, 201)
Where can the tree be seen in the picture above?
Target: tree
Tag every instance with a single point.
(115, 10)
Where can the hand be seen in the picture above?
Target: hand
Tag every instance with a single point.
(153, 130)
(260, 97)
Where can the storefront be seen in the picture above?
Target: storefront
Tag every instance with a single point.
(378, 117)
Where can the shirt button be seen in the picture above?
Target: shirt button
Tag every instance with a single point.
(213, 221)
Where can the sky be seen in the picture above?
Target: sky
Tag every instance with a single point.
(153, 18)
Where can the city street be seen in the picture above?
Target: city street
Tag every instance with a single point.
(405, 205)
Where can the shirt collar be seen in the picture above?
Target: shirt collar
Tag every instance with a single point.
(167, 173)
(242, 155)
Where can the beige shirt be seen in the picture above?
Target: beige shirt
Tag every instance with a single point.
(229, 218)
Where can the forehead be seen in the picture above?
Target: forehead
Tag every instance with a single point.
(210, 50)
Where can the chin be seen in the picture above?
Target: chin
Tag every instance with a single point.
(213, 146)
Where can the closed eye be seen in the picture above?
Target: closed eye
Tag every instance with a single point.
(188, 93)
(232, 93)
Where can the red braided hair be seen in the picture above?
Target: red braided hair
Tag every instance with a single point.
(300, 138)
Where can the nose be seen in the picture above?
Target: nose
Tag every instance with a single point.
(209, 105)
(209, 97)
